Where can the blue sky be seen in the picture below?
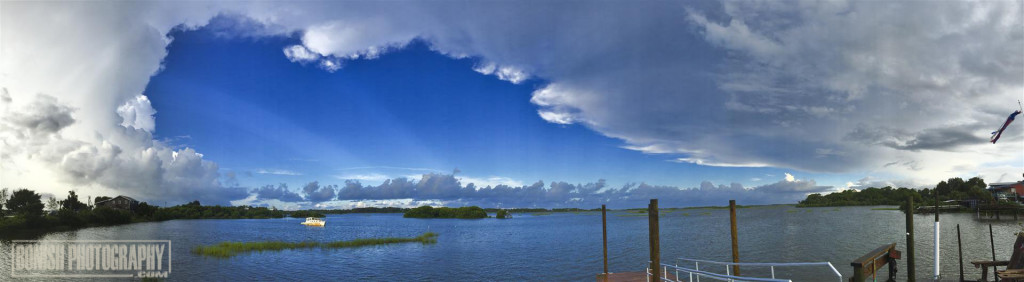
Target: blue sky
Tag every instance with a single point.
(239, 101)
(551, 104)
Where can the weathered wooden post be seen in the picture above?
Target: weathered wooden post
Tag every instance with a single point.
(604, 234)
(910, 240)
(735, 241)
(937, 257)
(869, 264)
(652, 217)
(992, 240)
(960, 252)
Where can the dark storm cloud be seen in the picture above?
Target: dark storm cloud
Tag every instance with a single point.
(281, 192)
(316, 193)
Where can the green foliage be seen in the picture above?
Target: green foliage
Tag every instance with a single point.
(229, 249)
(365, 210)
(108, 216)
(446, 212)
(52, 204)
(144, 210)
(194, 210)
(503, 214)
(951, 189)
(304, 214)
(71, 203)
(25, 203)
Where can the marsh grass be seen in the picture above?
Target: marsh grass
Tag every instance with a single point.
(230, 249)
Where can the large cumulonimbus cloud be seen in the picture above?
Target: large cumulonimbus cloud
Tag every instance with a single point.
(137, 165)
(837, 86)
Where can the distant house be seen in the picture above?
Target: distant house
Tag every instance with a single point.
(119, 202)
(1007, 191)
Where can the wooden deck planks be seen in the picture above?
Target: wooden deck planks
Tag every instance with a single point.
(639, 276)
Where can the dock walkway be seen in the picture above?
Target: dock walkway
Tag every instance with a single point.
(638, 276)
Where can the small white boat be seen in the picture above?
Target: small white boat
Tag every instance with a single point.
(312, 221)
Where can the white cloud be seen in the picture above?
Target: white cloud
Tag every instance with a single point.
(704, 162)
(766, 83)
(368, 178)
(491, 181)
(506, 73)
(299, 54)
(138, 113)
(277, 171)
(790, 177)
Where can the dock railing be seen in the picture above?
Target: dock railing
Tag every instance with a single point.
(867, 266)
(694, 274)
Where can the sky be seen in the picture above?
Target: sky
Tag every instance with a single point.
(500, 104)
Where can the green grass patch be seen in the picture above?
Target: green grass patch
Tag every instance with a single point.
(230, 249)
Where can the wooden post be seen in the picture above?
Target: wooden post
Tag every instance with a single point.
(735, 241)
(871, 262)
(910, 240)
(652, 217)
(604, 234)
(992, 241)
(938, 257)
(960, 252)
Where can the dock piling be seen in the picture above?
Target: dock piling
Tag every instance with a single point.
(735, 241)
(604, 235)
(910, 240)
(652, 217)
(960, 252)
(937, 229)
(992, 241)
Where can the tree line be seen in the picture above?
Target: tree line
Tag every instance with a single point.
(951, 189)
(445, 212)
(26, 210)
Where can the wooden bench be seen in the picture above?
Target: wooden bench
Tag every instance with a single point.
(1014, 267)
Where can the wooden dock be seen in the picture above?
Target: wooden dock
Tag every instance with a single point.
(639, 276)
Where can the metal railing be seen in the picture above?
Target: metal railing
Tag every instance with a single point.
(694, 274)
(691, 274)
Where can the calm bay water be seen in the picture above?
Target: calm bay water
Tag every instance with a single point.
(554, 247)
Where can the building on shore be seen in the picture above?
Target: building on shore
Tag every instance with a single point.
(120, 203)
(1007, 191)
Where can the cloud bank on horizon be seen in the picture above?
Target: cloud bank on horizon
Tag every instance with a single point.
(909, 90)
(447, 189)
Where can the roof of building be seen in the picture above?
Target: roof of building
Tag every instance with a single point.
(119, 196)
